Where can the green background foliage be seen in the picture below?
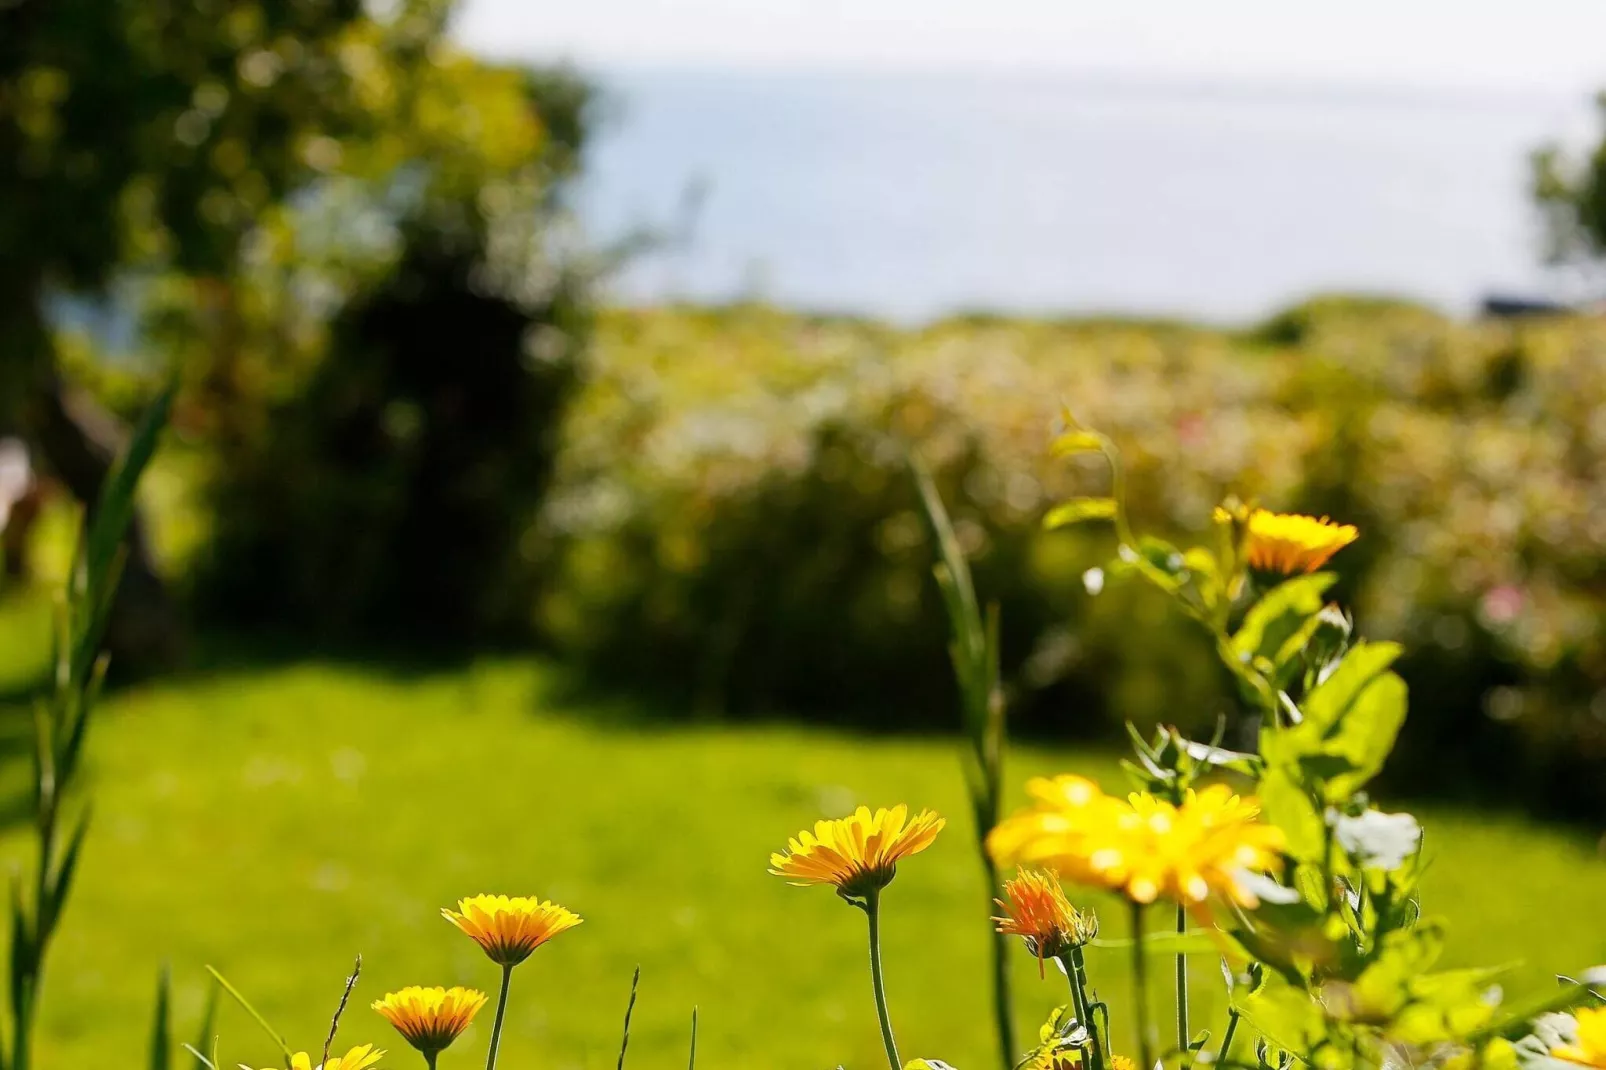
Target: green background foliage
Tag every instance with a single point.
(734, 522)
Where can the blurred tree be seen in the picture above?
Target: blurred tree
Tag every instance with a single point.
(1571, 194)
(386, 371)
(253, 169)
(147, 131)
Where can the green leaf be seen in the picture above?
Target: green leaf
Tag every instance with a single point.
(1284, 1014)
(1286, 803)
(1279, 616)
(1348, 725)
(61, 883)
(1079, 510)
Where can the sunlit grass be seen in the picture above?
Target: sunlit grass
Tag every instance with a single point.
(276, 822)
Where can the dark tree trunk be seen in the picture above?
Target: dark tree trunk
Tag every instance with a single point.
(78, 443)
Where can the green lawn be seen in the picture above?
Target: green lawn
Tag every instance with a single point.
(275, 822)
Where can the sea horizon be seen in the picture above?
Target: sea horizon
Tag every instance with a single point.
(911, 196)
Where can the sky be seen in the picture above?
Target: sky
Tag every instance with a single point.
(1477, 44)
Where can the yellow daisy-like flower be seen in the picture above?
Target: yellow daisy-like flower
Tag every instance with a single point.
(1143, 847)
(1590, 1050)
(857, 854)
(1291, 544)
(1036, 910)
(358, 1058)
(510, 928)
(430, 1018)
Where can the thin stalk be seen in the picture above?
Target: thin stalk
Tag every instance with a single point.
(1001, 1002)
(872, 909)
(1226, 1040)
(1140, 990)
(429, 1059)
(1078, 1000)
(1079, 985)
(501, 1011)
(1079, 1008)
(1182, 984)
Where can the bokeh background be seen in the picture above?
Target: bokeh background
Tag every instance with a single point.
(535, 515)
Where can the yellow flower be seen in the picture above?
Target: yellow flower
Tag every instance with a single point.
(1143, 847)
(858, 854)
(1036, 910)
(1289, 543)
(430, 1018)
(1591, 1047)
(510, 928)
(359, 1058)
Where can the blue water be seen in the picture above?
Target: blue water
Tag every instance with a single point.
(910, 196)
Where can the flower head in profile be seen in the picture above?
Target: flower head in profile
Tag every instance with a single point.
(1590, 1047)
(430, 1018)
(1143, 847)
(1036, 910)
(1290, 544)
(510, 928)
(858, 854)
(358, 1058)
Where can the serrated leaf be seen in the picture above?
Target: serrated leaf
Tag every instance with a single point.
(1079, 511)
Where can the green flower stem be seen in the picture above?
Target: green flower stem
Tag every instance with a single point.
(1079, 1008)
(1078, 963)
(1140, 991)
(429, 1059)
(1226, 1040)
(872, 909)
(1182, 984)
(501, 1011)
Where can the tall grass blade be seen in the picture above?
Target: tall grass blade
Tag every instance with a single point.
(162, 1028)
(256, 1015)
(206, 1033)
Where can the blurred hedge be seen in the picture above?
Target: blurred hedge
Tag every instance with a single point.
(733, 521)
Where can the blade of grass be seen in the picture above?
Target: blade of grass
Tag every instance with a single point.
(256, 1015)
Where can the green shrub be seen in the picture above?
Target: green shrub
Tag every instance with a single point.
(734, 518)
